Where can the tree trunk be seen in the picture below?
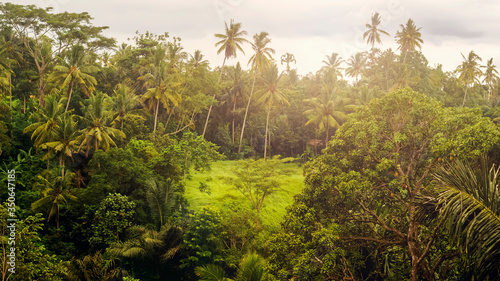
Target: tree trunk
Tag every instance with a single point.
(267, 131)
(70, 91)
(234, 109)
(210, 108)
(246, 111)
(156, 114)
(465, 95)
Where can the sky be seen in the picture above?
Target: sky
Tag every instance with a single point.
(310, 30)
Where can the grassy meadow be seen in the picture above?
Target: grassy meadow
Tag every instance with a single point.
(223, 193)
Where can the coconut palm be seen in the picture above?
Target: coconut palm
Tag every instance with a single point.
(230, 43)
(74, 69)
(161, 84)
(251, 268)
(490, 76)
(45, 129)
(261, 59)
(325, 111)
(356, 65)
(123, 102)
(270, 95)
(409, 38)
(197, 59)
(161, 199)
(97, 133)
(372, 35)
(55, 191)
(469, 71)
(64, 140)
(236, 91)
(469, 206)
(287, 59)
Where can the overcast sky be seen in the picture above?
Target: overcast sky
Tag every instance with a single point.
(308, 29)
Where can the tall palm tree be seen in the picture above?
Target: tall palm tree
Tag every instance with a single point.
(372, 35)
(75, 69)
(45, 129)
(160, 82)
(356, 65)
(261, 58)
(230, 43)
(64, 140)
(270, 95)
(332, 64)
(490, 76)
(236, 91)
(123, 103)
(409, 38)
(97, 133)
(287, 59)
(469, 205)
(325, 111)
(197, 59)
(55, 191)
(469, 71)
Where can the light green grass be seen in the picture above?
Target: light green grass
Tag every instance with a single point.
(224, 194)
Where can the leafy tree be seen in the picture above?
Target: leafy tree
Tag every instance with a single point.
(93, 267)
(468, 204)
(255, 179)
(194, 151)
(113, 216)
(469, 71)
(203, 239)
(161, 199)
(373, 32)
(251, 268)
(360, 211)
(260, 59)
(124, 101)
(409, 38)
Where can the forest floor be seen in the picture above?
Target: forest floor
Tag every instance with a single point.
(223, 193)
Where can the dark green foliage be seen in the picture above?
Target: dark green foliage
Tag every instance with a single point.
(203, 240)
(114, 215)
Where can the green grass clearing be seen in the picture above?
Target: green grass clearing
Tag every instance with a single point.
(223, 194)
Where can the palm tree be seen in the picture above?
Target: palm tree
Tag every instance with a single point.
(97, 133)
(251, 268)
(270, 95)
(469, 207)
(332, 64)
(123, 103)
(288, 58)
(356, 65)
(325, 111)
(230, 42)
(55, 191)
(197, 59)
(74, 68)
(261, 58)
(64, 140)
(161, 199)
(469, 71)
(160, 83)
(373, 32)
(236, 91)
(409, 38)
(490, 76)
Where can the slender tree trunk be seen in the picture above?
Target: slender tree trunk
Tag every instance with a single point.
(246, 111)
(210, 108)
(234, 109)
(70, 91)
(465, 95)
(327, 133)
(24, 104)
(10, 93)
(267, 131)
(156, 114)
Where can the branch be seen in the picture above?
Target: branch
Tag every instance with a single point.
(380, 241)
(181, 129)
(443, 258)
(379, 220)
(431, 239)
